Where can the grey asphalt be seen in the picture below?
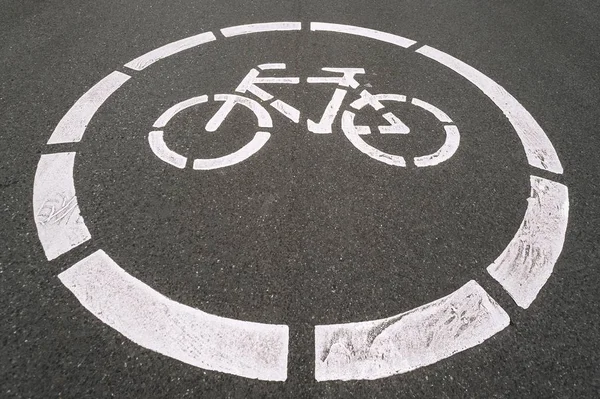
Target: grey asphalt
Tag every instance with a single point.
(308, 231)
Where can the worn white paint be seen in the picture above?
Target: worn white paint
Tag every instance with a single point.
(229, 101)
(346, 80)
(353, 133)
(272, 65)
(364, 32)
(374, 100)
(72, 126)
(162, 151)
(445, 152)
(249, 82)
(59, 225)
(417, 338)
(167, 50)
(538, 148)
(257, 28)
(528, 261)
(331, 111)
(177, 108)
(396, 126)
(364, 350)
(441, 116)
(259, 140)
(287, 110)
(149, 319)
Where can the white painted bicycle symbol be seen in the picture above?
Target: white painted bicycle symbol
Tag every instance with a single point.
(347, 80)
(357, 350)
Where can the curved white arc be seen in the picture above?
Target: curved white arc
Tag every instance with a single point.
(420, 337)
(352, 133)
(374, 100)
(161, 150)
(175, 109)
(259, 140)
(539, 150)
(72, 126)
(528, 261)
(438, 113)
(167, 50)
(445, 152)
(364, 32)
(59, 225)
(252, 350)
(263, 27)
(264, 118)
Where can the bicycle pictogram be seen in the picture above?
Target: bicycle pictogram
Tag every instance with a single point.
(365, 349)
(345, 80)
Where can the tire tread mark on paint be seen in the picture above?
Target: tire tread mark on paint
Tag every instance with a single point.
(539, 150)
(57, 217)
(422, 336)
(247, 349)
(528, 261)
(72, 126)
(168, 50)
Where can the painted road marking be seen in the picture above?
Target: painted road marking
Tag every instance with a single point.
(252, 350)
(229, 101)
(380, 348)
(445, 152)
(441, 116)
(353, 132)
(59, 225)
(538, 148)
(177, 108)
(163, 152)
(528, 260)
(363, 350)
(259, 140)
(72, 126)
(167, 50)
(257, 28)
(364, 32)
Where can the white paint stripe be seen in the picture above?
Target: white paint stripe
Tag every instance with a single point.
(287, 110)
(445, 152)
(167, 50)
(59, 225)
(72, 126)
(175, 109)
(528, 260)
(282, 80)
(329, 114)
(256, 28)
(538, 148)
(396, 126)
(161, 150)
(417, 338)
(438, 113)
(149, 319)
(264, 118)
(275, 65)
(353, 134)
(370, 33)
(259, 140)
(374, 100)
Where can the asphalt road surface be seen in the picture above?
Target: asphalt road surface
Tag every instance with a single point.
(179, 270)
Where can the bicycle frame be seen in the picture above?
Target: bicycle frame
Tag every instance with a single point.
(347, 80)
